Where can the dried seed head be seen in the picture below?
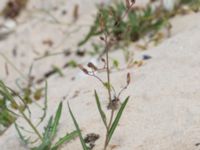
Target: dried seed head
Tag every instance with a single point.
(133, 1)
(101, 22)
(112, 39)
(83, 69)
(103, 60)
(114, 104)
(80, 52)
(128, 4)
(67, 52)
(102, 38)
(128, 78)
(92, 66)
(76, 12)
(140, 63)
(111, 11)
(91, 138)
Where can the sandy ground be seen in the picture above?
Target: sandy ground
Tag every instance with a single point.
(163, 112)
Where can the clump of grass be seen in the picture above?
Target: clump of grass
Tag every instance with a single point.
(115, 106)
(47, 137)
(6, 118)
(28, 94)
(141, 23)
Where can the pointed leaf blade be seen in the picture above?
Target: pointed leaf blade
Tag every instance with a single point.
(78, 129)
(117, 118)
(103, 116)
(66, 138)
(56, 120)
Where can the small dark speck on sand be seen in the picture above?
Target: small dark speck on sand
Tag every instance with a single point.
(146, 57)
(197, 144)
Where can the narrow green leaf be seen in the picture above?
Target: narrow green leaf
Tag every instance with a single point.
(78, 130)
(43, 146)
(66, 138)
(103, 116)
(46, 141)
(116, 121)
(12, 112)
(4, 91)
(56, 120)
(48, 129)
(93, 32)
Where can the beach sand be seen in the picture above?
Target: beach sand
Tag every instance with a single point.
(163, 111)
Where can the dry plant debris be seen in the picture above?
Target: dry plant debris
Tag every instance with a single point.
(13, 8)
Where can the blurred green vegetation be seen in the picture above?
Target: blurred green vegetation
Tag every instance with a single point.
(141, 22)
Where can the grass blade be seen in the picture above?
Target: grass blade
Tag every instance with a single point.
(4, 91)
(46, 141)
(48, 129)
(64, 139)
(103, 116)
(56, 120)
(78, 129)
(116, 121)
(92, 32)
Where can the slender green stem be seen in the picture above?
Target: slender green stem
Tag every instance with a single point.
(108, 128)
(108, 69)
(31, 124)
(106, 143)
(111, 118)
(108, 89)
(48, 55)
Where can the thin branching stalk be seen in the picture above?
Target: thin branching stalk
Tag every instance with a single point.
(108, 127)
(108, 89)
(31, 124)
